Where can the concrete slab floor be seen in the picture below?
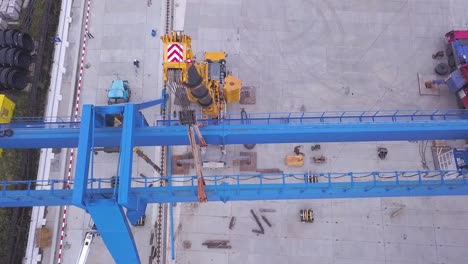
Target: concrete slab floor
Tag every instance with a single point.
(312, 55)
(122, 33)
(328, 56)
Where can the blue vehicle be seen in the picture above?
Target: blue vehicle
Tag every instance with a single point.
(119, 92)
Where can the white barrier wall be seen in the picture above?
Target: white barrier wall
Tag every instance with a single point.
(54, 97)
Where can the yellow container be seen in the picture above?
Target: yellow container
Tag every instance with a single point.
(6, 112)
(232, 89)
(6, 109)
(294, 160)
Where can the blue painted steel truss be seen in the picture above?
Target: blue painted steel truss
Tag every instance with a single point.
(96, 129)
(269, 128)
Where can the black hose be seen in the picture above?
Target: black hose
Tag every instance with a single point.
(244, 121)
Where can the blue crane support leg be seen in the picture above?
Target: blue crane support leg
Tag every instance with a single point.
(136, 208)
(84, 152)
(112, 224)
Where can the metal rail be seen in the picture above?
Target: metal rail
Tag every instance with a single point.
(163, 154)
(329, 117)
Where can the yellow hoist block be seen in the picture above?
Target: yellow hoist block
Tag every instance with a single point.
(177, 54)
(232, 89)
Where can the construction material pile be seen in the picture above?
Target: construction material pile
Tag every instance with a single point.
(15, 59)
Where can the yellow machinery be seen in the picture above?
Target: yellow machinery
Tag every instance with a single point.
(206, 82)
(7, 107)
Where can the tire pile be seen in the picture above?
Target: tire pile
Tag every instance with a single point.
(15, 59)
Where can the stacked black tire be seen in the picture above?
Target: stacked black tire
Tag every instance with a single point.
(15, 59)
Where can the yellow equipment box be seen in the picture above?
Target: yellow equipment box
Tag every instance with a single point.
(232, 89)
(6, 109)
(6, 112)
(215, 56)
(294, 160)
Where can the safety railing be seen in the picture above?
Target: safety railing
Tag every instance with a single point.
(332, 180)
(394, 178)
(268, 118)
(328, 117)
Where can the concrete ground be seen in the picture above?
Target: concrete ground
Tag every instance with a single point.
(301, 56)
(327, 56)
(122, 33)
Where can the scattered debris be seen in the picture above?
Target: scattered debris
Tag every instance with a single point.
(397, 211)
(306, 215)
(262, 230)
(250, 164)
(315, 147)
(247, 95)
(319, 159)
(382, 153)
(217, 244)
(266, 221)
(178, 167)
(430, 84)
(438, 54)
(259, 232)
(267, 210)
(187, 244)
(232, 223)
(297, 150)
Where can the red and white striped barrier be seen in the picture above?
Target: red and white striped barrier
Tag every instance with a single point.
(77, 109)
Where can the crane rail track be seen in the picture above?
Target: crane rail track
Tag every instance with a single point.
(157, 254)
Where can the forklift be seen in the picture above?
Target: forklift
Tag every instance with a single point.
(119, 92)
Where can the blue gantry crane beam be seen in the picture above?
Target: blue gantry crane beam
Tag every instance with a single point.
(107, 205)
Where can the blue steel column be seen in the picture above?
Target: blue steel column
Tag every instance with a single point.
(84, 150)
(135, 208)
(115, 231)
